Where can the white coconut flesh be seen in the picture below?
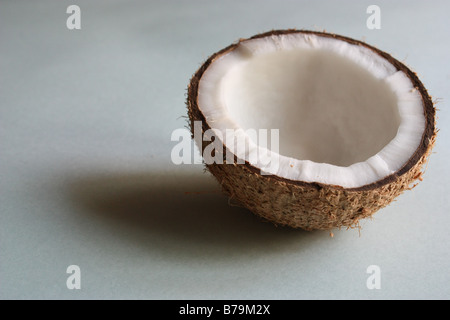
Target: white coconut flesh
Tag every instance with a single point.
(346, 116)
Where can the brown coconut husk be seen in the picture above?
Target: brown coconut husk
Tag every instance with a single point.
(306, 205)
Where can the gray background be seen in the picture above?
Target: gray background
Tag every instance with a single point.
(86, 177)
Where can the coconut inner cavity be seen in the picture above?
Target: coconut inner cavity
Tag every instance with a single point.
(327, 108)
(346, 115)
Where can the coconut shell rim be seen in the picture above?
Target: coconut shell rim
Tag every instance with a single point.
(428, 108)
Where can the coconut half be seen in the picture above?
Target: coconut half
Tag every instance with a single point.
(355, 126)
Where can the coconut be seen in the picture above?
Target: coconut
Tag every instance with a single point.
(355, 126)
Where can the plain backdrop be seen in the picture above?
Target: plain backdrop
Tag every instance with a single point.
(86, 177)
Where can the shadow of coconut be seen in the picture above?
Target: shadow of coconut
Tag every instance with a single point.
(180, 216)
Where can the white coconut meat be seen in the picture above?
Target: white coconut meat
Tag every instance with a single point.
(345, 115)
